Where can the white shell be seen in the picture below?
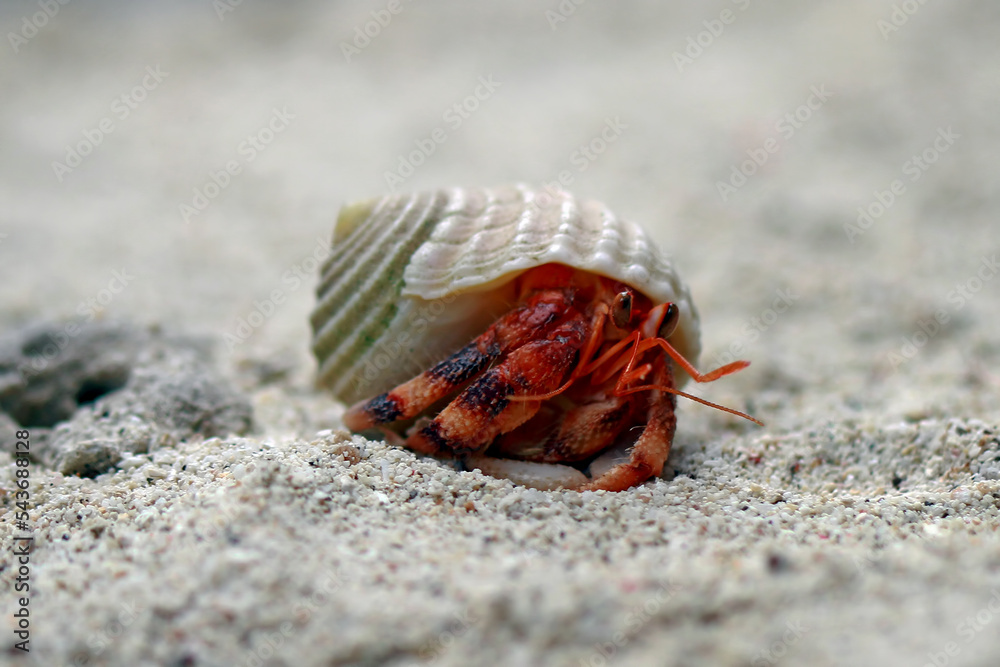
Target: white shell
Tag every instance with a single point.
(413, 277)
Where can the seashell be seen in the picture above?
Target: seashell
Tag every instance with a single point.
(414, 277)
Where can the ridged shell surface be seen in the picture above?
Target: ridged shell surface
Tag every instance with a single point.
(413, 277)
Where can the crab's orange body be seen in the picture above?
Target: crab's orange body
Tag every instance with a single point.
(576, 364)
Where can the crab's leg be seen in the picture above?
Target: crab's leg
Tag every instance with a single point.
(711, 376)
(653, 446)
(540, 314)
(582, 368)
(484, 409)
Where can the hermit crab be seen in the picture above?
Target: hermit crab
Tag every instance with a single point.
(518, 331)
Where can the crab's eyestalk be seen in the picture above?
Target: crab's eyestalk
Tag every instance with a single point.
(670, 321)
(621, 309)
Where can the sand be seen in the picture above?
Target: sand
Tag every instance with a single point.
(181, 169)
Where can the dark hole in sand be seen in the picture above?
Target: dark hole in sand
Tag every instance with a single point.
(91, 390)
(49, 371)
(59, 406)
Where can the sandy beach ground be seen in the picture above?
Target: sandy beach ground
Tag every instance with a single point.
(822, 174)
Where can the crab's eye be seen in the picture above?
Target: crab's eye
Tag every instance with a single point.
(670, 320)
(621, 309)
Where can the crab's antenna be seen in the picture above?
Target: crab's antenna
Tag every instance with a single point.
(678, 392)
(648, 344)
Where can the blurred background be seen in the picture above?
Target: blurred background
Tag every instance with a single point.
(204, 148)
(824, 175)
